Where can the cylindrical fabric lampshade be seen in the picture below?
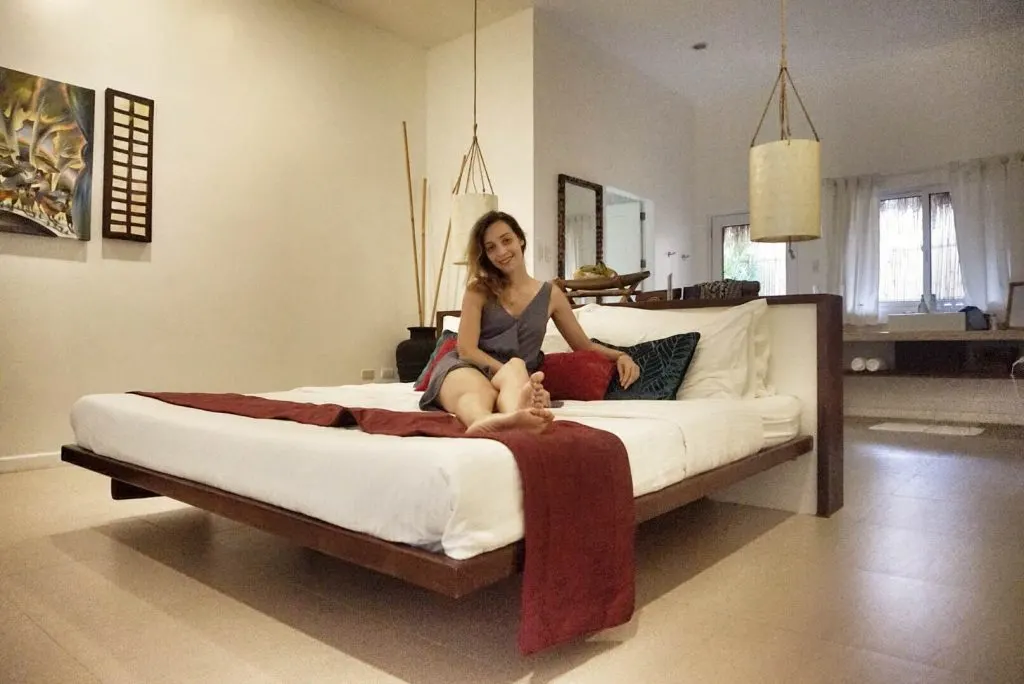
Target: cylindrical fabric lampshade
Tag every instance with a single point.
(785, 191)
(466, 210)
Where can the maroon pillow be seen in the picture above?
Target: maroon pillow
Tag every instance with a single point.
(579, 375)
(445, 346)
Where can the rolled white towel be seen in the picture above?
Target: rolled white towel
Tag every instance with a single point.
(858, 365)
(874, 365)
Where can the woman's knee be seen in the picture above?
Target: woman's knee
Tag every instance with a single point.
(463, 381)
(514, 367)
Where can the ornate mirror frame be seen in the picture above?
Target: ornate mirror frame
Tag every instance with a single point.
(598, 218)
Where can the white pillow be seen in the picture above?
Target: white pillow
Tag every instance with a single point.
(762, 351)
(553, 342)
(731, 359)
(625, 326)
(732, 356)
(725, 362)
(451, 323)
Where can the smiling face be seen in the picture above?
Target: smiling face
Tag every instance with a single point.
(494, 254)
(502, 247)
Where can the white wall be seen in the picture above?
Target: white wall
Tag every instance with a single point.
(958, 101)
(505, 116)
(280, 228)
(598, 119)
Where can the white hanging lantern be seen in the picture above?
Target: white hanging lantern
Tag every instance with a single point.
(785, 191)
(785, 174)
(467, 209)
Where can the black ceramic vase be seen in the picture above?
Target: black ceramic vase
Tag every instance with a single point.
(412, 355)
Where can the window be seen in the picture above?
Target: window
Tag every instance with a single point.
(918, 253)
(742, 259)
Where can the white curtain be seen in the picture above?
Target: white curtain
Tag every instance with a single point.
(850, 231)
(988, 209)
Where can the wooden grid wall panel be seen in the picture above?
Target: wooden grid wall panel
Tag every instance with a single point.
(128, 167)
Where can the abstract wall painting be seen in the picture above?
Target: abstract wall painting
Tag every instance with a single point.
(46, 143)
(128, 167)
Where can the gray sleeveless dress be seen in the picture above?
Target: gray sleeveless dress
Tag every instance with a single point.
(504, 337)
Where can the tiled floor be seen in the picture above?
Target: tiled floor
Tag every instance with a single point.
(920, 578)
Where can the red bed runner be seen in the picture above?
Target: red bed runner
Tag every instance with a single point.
(580, 519)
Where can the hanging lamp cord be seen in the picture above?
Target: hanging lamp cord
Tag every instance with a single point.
(783, 67)
(476, 5)
(784, 75)
(475, 166)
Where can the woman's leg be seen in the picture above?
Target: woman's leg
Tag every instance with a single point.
(468, 394)
(517, 389)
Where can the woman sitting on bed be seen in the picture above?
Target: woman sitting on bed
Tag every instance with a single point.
(491, 381)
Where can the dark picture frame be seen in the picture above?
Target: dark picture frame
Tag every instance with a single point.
(598, 218)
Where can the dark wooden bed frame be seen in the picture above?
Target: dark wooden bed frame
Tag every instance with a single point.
(457, 578)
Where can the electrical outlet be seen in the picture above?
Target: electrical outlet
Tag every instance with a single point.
(368, 374)
(387, 373)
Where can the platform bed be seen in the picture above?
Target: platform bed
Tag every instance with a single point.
(456, 578)
(433, 571)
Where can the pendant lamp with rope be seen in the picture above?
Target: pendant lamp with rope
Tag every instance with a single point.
(785, 174)
(474, 194)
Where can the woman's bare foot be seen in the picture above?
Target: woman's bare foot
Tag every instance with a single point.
(533, 394)
(527, 419)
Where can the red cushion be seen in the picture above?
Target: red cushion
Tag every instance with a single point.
(579, 375)
(446, 346)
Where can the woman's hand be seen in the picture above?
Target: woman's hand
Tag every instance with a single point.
(628, 370)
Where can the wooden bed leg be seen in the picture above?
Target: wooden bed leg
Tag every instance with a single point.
(121, 491)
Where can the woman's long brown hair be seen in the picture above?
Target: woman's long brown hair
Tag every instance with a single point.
(482, 273)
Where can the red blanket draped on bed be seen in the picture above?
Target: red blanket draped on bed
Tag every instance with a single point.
(577, 502)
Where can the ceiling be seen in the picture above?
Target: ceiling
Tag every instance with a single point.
(825, 36)
(656, 36)
(428, 22)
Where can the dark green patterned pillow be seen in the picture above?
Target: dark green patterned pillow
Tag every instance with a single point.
(663, 364)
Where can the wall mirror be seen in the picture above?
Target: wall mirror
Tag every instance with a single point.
(580, 224)
(597, 223)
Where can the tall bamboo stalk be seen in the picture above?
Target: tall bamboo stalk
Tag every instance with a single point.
(412, 221)
(422, 290)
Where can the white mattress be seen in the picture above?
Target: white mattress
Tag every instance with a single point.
(780, 418)
(459, 496)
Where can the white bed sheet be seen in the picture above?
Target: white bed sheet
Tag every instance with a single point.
(459, 496)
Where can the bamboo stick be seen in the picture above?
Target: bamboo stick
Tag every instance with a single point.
(412, 221)
(422, 290)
